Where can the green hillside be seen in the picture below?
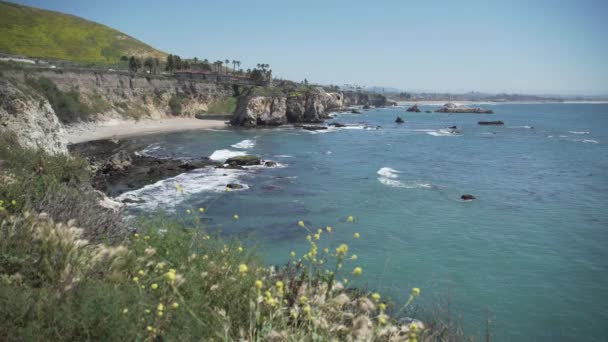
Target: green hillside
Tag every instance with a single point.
(40, 33)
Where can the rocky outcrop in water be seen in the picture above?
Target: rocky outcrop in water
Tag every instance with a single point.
(414, 108)
(399, 120)
(453, 108)
(117, 167)
(312, 106)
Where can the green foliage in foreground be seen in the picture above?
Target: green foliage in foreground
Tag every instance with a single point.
(40, 33)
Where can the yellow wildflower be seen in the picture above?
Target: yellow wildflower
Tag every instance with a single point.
(328, 228)
(243, 268)
(356, 235)
(136, 236)
(160, 314)
(259, 284)
(280, 284)
(292, 254)
(354, 257)
(317, 236)
(376, 297)
(345, 281)
(154, 286)
(14, 203)
(382, 319)
(235, 216)
(149, 328)
(141, 272)
(382, 306)
(135, 279)
(147, 311)
(319, 231)
(309, 238)
(160, 307)
(357, 271)
(125, 311)
(188, 211)
(342, 250)
(202, 210)
(350, 219)
(302, 300)
(175, 305)
(306, 309)
(325, 250)
(171, 275)
(301, 224)
(415, 291)
(147, 237)
(240, 249)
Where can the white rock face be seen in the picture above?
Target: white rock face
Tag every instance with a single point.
(31, 119)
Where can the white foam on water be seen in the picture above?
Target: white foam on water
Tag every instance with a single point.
(149, 149)
(222, 155)
(444, 133)
(163, 194)
(591, 141)
(283, 156)
(245, 144)
(387, 172)
(578, 132)
(388, 176)
(526, 127)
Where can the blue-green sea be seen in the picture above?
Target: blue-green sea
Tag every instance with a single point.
(530, 253)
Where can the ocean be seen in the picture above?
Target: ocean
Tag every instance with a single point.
(530, 253)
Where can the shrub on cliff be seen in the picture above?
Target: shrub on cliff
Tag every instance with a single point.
(67, 105)
(175, 104)
(55, 184)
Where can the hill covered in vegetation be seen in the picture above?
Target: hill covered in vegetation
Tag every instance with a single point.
(41, 33)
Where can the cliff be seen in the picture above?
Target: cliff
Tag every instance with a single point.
(35, 104)
(311, 106)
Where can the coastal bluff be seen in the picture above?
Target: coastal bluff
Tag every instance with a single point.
(312, 106)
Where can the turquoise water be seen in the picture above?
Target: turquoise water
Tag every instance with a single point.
(530, 253)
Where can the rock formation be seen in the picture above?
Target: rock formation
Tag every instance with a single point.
(491, 123)
(414, 108)
(399, 120)
(453, 108)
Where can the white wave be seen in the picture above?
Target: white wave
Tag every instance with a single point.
(591, 141)
(578, 132)
(387, 172)
(526, 127)
(163, 194)
(222, 155)
(245, 144)
(149, 149)
(388, 176)
(444, 132)
(283, 156)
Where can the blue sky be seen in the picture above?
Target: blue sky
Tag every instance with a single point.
(534, 46)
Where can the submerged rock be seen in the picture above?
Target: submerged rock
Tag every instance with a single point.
(414, 108)
(367, 106)
(270, 163)
(312, 128)
(467, 197)
(399, 120)
(491, 123)
(355, 111)
(337, 124)
(234, 186)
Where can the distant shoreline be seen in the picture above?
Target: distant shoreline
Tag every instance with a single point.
(129, 128)
(442, 102)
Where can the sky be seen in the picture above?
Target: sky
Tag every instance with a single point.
(515, 46)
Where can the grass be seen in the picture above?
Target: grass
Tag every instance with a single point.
(40, 33)
(224, 106)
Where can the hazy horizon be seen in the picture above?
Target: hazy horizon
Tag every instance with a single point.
(512, 47)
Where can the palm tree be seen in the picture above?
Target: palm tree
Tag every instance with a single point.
(233, 65)
(238, 64)
(227, 61)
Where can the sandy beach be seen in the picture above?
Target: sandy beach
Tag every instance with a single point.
(125, 128)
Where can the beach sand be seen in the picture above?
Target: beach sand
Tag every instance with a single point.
(125, 128)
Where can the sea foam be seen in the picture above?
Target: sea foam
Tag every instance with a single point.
(222, 155)
(245, 144)
(389, 177)
(163, 194)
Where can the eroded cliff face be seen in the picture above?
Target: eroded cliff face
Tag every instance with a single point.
(25, 110)
(312, 106)
(30, 118)
(252, 111)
